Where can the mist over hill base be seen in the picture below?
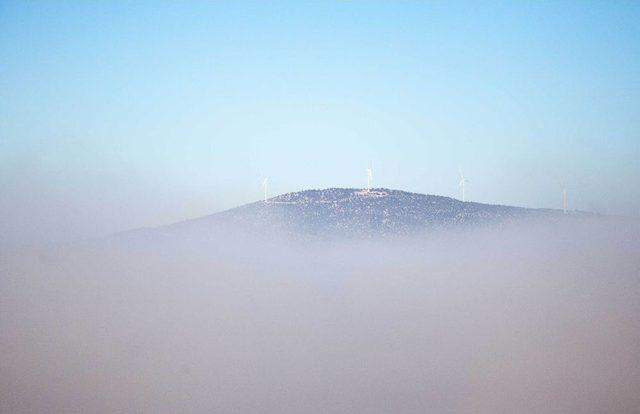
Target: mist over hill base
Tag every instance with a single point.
(529, 318)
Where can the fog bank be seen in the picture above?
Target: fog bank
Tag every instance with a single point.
(527, 319)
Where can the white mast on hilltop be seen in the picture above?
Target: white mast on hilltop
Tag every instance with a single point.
(462, 183)
(265, 187)
(564, 201)
(369, 176)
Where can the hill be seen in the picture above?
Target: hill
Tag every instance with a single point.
(342, 212)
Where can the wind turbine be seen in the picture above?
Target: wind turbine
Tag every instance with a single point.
(265, 186)
(461, 184)
(564, 201)
(369, 176)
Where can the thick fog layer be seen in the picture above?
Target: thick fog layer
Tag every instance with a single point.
(525, 319)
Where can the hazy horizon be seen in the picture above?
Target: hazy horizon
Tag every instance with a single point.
(116, 115)
(61, 242)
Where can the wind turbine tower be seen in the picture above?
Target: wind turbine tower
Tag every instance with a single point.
(265, 187)
(564, 201)
(462, 183)
(369, 177)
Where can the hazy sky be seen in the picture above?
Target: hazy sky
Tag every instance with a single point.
(119, 115)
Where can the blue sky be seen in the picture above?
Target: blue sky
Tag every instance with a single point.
(116, 115)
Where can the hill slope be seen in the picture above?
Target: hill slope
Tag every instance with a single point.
(339, 212)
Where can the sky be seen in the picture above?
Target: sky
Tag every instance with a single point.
(118, 115)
